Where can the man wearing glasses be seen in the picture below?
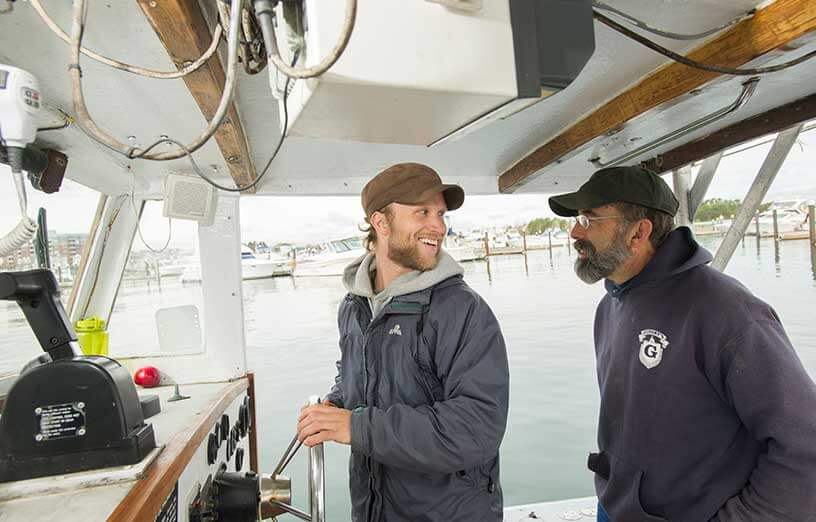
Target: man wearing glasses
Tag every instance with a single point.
(706, 411)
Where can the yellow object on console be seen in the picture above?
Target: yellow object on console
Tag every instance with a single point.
(92, 336)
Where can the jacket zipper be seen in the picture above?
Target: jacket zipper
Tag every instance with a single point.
(372, 321)
(366, 336)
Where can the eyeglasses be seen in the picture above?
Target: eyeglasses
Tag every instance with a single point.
(585, 221)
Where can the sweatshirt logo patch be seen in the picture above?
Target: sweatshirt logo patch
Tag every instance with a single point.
(395, 331)
(652, 344)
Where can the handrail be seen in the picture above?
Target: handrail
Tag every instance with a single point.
(317, 496)
(748, 89)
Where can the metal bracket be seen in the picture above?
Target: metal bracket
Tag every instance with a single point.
(748, 89)
(702, 182)
(764, 178)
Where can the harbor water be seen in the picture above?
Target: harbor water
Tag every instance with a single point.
(546, 315)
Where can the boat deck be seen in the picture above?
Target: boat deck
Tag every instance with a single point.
(573, 509)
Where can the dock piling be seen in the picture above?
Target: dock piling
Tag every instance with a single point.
(549, 242)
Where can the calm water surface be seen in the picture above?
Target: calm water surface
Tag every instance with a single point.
(546, 316)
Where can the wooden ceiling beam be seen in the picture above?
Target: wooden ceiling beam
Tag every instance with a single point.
(771, 28)
(769, 122)
(183, 30)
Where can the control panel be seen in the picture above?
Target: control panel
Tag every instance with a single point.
(224, 449)
(230, 435)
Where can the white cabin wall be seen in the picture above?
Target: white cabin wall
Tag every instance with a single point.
(220, 247)
(224, 352)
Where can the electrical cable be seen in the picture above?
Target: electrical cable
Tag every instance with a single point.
(67, 119)
(86, 122)
(254, 59)
(668, 34)
(18, 237)
(137, 217)
(273, 53)
(698, 65)
(258, 179)
(26, 229)
(737, 149)
(134, 69)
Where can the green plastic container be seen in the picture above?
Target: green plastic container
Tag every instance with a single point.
(92, 336)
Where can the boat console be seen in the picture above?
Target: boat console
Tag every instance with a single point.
(81, 418)
(66, 412)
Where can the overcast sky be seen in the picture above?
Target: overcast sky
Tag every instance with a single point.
(313, 219)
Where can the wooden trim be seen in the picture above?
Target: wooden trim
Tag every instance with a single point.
(772, 27)
(145, 499)
(182, 29)
(757, 126)
(253, 432)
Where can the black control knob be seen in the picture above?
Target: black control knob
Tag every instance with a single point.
(247, 414)
(239, 459)
(230, 446)
(217, 433)
(240, 422)
(212, 449)
(225, 426)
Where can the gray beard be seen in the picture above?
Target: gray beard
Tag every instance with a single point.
(599, 265)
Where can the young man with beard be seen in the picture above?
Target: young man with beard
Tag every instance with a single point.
(421, 393)
(706, 411)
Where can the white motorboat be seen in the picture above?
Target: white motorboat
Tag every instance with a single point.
(791, 218)
(252, 267)
(332, 258)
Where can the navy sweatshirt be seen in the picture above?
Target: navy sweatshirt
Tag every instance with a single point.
(706, 411)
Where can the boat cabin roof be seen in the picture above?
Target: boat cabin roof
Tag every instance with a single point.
(626, 95)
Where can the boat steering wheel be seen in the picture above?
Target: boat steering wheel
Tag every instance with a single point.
(276, 489)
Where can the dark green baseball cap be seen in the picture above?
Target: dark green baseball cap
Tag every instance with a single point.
(636, 185)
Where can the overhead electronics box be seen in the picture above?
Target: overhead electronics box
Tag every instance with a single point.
(422, 72)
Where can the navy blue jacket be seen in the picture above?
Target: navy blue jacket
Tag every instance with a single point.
(706, 411)
(427, 380)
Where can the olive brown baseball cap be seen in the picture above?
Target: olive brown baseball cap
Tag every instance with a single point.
(408, 184)
(636, 185)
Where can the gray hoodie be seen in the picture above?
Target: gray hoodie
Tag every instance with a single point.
(358, 279)
(424, 370)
